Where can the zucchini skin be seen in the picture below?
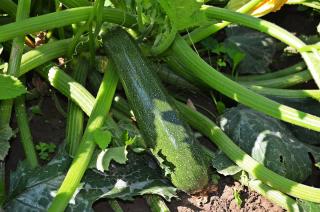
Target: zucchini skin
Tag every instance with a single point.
(169, 137)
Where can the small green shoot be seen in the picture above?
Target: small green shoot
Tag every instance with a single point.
(237, 197)
(220, 106)
(45, 150)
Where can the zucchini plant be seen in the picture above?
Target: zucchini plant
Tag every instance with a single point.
(155, 53)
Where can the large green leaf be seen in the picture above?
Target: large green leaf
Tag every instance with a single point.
(33, 190)
(183, 13)
(10, 87)
(258, 48)
(268, 141)
(5, 135)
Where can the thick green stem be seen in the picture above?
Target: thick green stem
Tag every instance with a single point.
(69, 87)
(60, 30)
(60, 19)
(13, 68)
(87, 145)
(287, 93)
(247, 163)
(180, 69)
(114, 204)
(75, 114)
(214, 79)
(156, 204)
(205, 31)
(43, 54)
(271, 29)
(280, 73)
(271, 194)
(25, 134)
(15, 59)
(282, 82)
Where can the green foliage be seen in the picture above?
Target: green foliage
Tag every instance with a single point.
(163, 19)
(102, 138)
(10, 87)
(310, 106)
(45, 150)
(32, 190)
(183, 13)
(226, 52)
(308, 206)
(257, 47)
(268, 141)
(101, 159)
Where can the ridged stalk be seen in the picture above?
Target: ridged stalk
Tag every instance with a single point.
(25, 133)
(271, 194)
(282, 82)
(214, 79)
(280, 73)
(274, 196)
(13, 68)
(75, 114)
(60, 19)
(87, 145)
(68, 87)
(156, 204)
(14, 60)
(205, 31)
(243, 160)
(271, 29)
(43, 54)
(114, 204)
(287, 93)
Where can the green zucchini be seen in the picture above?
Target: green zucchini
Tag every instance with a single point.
(166, 134)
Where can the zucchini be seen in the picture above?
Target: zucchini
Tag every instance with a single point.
(166, 134)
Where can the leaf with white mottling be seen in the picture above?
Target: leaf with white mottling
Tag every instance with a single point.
(268, 141)
(224, 165)
(101, 159)
(308, 206)
(258, 48)
(32, 190)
